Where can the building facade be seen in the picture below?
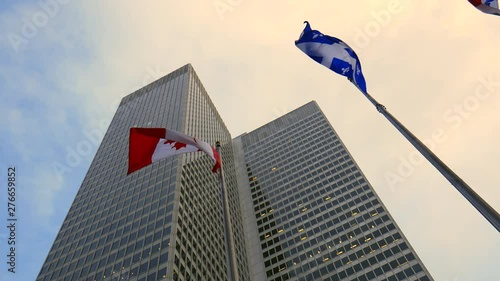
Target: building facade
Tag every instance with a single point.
(309, 212)
(163, 222)
(299, 206)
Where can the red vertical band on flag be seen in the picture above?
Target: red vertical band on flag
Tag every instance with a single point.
(142, 144)
(475, 2)
(217, 160)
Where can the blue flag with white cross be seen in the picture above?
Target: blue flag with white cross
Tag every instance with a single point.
(332, 53)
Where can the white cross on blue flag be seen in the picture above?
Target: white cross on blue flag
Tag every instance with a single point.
(332, 53)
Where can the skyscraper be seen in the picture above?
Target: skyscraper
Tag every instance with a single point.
(310, 214)
(299, 207)
(163, 222)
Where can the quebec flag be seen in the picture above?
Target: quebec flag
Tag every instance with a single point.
(487, 6)
(332, 53)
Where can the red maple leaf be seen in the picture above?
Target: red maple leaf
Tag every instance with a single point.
(177, 145)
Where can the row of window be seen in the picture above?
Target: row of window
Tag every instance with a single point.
(322, 177)
(288, 153)
(313, 227)
(390, 259)
(306, 179)
(324, 213)
(279, 129)
(115, 214)
(302, 212)
(104, 243)
(306, 204)
(200, 249)
(315, 243)
(289, 158)
(108, 241)
(376, 274)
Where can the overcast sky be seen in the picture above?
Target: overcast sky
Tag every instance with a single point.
(433, 64)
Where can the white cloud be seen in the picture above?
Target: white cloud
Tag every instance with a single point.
(46, 186)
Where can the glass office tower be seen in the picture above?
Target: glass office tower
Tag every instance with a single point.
(163, 222)
(299, 206)
(309, 212)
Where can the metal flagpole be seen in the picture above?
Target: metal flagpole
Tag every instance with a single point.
(482, 206)
(228, 230)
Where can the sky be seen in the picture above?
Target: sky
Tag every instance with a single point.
(66, 64)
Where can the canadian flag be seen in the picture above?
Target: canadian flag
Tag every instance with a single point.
(487, 6)
(148, 145)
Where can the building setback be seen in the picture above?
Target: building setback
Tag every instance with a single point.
(310, 214)
(299, 206)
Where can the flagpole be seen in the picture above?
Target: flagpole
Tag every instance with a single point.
(482, 206)
(228, 230)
